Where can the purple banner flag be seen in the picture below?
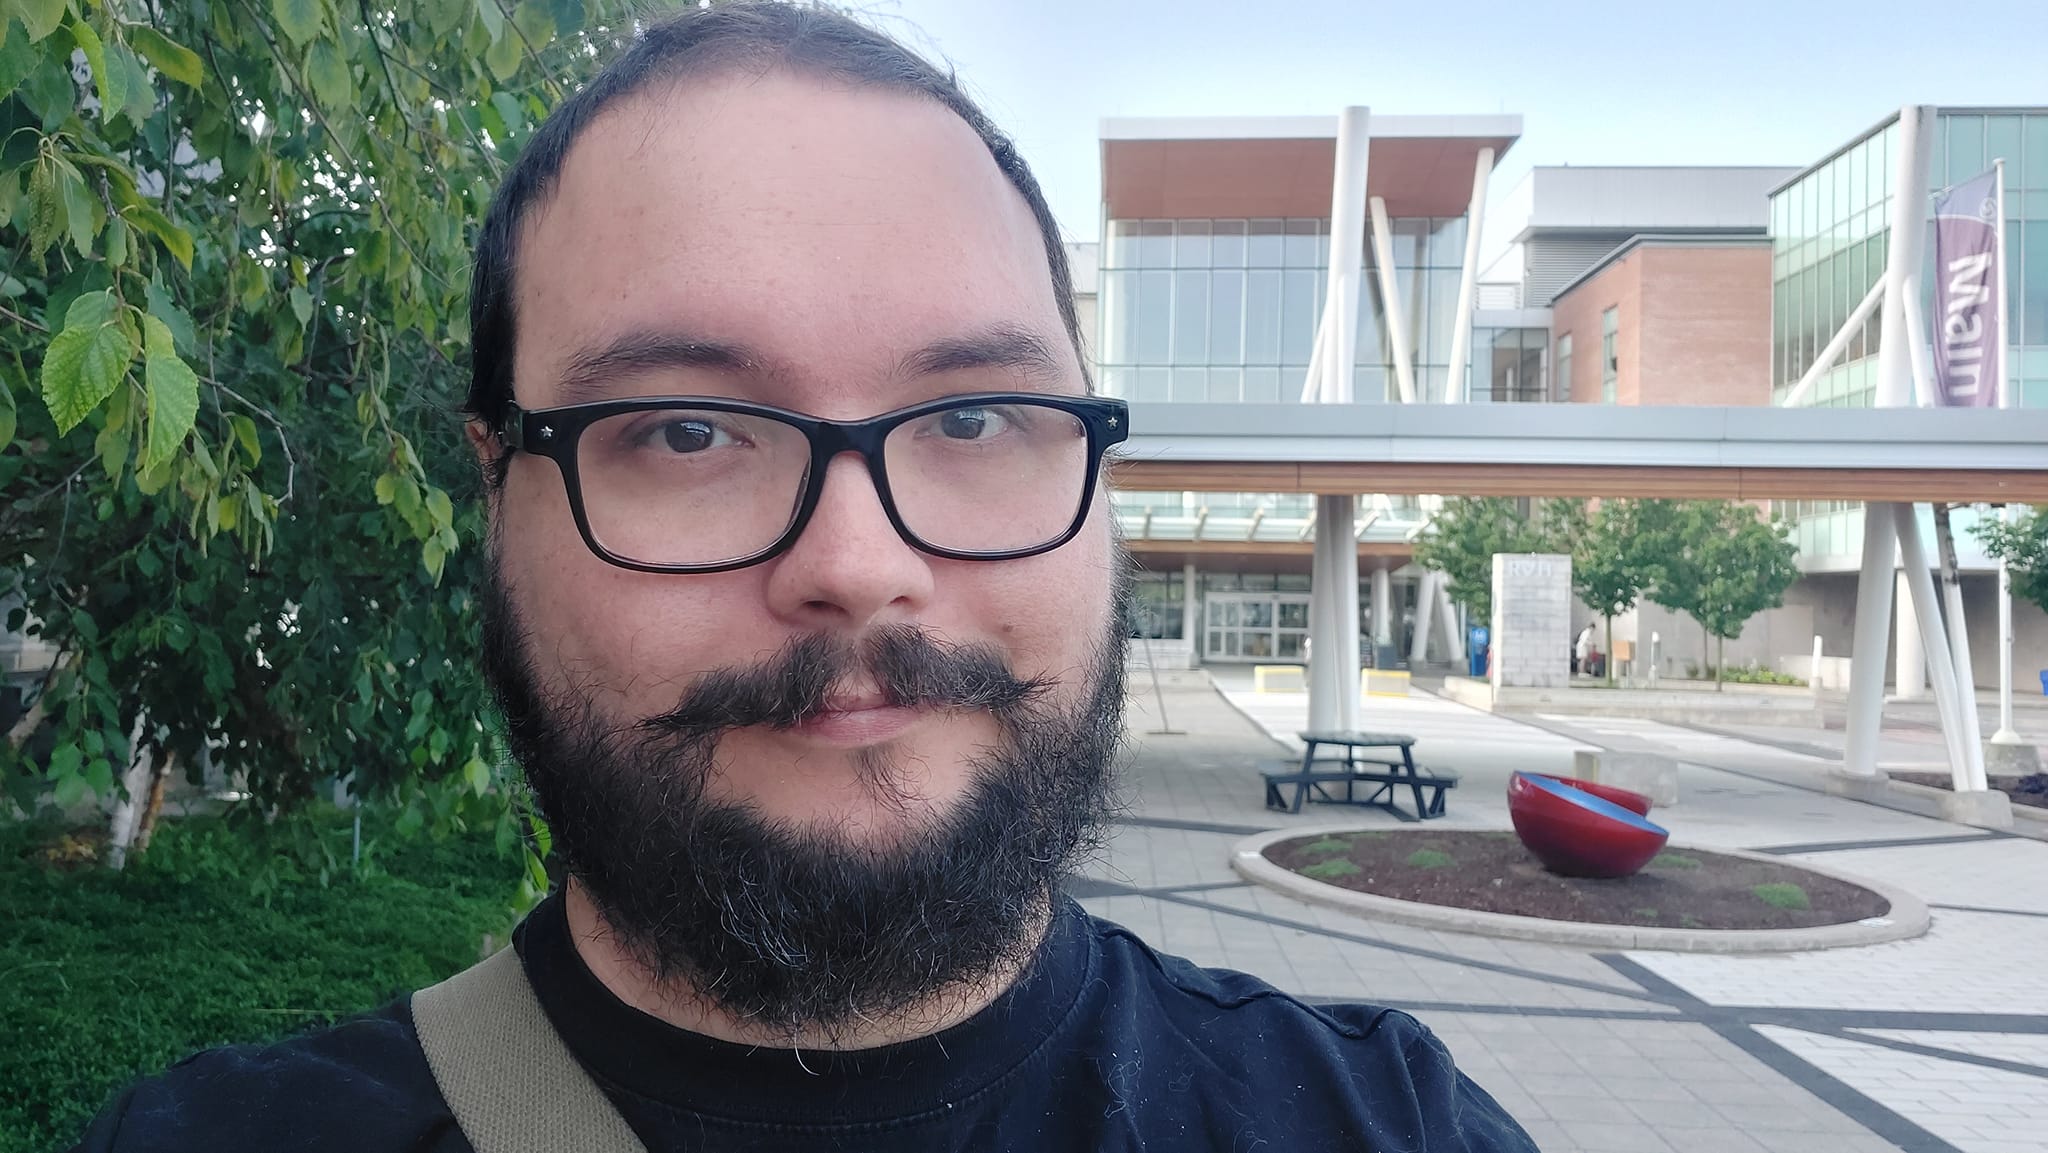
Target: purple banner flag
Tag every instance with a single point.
(1966, 321)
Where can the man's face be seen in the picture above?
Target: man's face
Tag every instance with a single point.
(833, 235)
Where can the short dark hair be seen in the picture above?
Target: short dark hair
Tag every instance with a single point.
(758, 34)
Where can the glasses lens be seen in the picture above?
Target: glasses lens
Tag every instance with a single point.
(690, 486)
(989, 478)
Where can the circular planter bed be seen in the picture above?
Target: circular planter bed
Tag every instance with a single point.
(1486, 882)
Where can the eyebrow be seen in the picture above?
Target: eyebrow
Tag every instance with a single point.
(591, 373)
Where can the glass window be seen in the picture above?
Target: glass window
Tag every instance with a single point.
(1564, 367)
(1191, 244)
(1227, 240)
(1409, 234)
(2033, 153)
(1262, 317)
(1226, 316)
(1155, 244)
(1153, 384)
(1226, 385)
(1123, 244)
(1118, 382)
(2032, 284)
(1119, 303)
(1191, 317)
(1370, 385)
(1190, 385)
(1610, 362)
(1263, 243)
(1298, 325)
(1857, 192)
(1155, 317)
(1262, 386)
(1965, 147)
(1447, 242)
(2002, 141)
(1443, 316)
(1301, 251)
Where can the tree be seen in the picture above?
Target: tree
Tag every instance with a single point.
(1466, 534)
(2023, 546)
(1609, 568)
(233, 316)
(1717, 562)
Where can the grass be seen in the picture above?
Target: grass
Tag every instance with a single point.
(1674, 861)
(1327, 845)
(1646, 914)
(1430, 859)
(1781, 895)
(106, 976)
(1330, 870)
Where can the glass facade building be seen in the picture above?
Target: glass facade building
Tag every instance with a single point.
(1829, 234)
(1226, 310)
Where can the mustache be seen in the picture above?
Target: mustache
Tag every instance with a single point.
(911, 667)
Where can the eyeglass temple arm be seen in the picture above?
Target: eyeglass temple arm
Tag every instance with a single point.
(511, 430)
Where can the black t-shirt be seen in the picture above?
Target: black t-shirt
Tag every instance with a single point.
(1102, 1044)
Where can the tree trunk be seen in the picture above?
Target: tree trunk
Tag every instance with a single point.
(1720, 661)
(127, 818)
(1608, 667)
(159, 777)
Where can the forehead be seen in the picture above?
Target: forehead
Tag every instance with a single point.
(832, 229)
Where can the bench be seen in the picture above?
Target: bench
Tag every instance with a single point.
(1319, 785)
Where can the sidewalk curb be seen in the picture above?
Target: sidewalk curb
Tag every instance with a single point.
(1907, 918)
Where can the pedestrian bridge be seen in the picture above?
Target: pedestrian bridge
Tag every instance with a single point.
(1871, 454)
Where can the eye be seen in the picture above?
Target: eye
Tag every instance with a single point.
(691, 436)
(971, 423)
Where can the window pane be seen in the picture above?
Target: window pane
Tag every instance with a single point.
(2002, 141)
(1155, 317)
(1118, 382)
(1191, 244)
(2033, 295)
(1262, 385)
(1263, 248)
(1123, 244)
(1191, 317)
(1228, 244)
(1153, 384)
(1447, 242)
(1301, 249)
(1965, 147)
(2034, 154)
(1297, 334)
(1119, 303)
(1407, 246)
(1155, 244)
(1226, 385)
(1226, 317)
(1262, 318)
(1190, 385)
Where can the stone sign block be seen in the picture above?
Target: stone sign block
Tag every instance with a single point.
(1532, 620)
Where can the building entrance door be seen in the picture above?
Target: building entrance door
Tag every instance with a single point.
(1254, 626)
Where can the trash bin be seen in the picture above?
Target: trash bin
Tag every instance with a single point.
(2044, 682)
(1475, 650)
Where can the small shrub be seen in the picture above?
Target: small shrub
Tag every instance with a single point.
(1674, 861)
(1331, 870)
(1327, 845)
(1430, 859)
(1781, 895)
(1646, 914)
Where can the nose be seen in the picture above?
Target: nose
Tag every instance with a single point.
(850, 569)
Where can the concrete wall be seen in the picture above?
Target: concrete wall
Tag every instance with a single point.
(1767, 636)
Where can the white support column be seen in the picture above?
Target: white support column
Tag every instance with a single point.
(1425, 609)
(1333, 618)
(1191, 611)
(1461, 325)
(1873, 627)
(1382, 608)
(1390, 291)
(1447, 619)
(1909, 660)
(1835, 347)
(1347, 256)
(2005, 734)
(1967, 770)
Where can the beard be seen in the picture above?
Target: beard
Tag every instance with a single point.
(795, 929)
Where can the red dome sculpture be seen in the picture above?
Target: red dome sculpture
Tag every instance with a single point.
(1629, 799)
(1577, 833)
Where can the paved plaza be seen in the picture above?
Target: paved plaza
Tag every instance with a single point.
(1935, 1043)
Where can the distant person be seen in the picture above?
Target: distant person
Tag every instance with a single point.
(805, 609)
(1582, 649)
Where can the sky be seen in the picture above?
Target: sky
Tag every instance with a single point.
(1653, 82)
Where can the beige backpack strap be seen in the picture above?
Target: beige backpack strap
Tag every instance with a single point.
(512, 1084)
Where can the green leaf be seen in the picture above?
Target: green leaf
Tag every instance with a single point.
(46, 212)
(300, 19)
(17, 58)
(493, 18)
(167, 56)
(534, 21)
(112, 446)
(112, 83)
(173, 394)
(116, 242)
(49, 91)
(302, 304)
(86, 361)
(8, 414)
(327, 70)
(245, 435)
(165, 309)
(505, 53)
(387, 488)
(174, 239)
(81, 211)
(39, 17)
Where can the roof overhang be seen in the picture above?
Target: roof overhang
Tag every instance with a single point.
(1896, 454)
(1200, 167)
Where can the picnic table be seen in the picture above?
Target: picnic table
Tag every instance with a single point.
(1393, 768)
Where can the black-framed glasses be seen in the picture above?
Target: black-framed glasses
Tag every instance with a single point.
(695, 484)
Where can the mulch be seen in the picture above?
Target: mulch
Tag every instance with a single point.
(1492, 872)
(2031, 789)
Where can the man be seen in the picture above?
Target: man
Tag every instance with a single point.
(1582, 651)
(805, 616)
